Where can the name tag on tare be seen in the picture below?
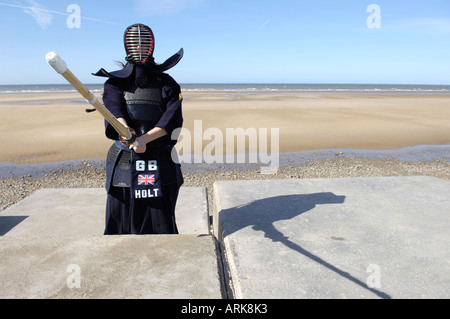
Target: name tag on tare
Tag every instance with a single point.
(146, 180)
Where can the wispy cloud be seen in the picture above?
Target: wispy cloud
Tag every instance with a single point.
(428, 25)
(436, 25)
(43, 16)
(264, 24)
(157, 7)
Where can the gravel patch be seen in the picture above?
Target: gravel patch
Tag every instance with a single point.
(15, 189)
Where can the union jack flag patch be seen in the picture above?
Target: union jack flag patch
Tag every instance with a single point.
(146, 180)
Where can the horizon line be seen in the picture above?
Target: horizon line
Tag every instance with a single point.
(251, 83)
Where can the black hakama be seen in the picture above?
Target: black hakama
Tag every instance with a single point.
(152, 216)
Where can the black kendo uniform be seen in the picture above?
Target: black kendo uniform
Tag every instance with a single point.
(143, 188)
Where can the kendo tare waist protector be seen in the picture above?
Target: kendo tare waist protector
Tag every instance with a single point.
(146, 178)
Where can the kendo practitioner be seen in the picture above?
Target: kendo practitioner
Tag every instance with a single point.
(143, 180)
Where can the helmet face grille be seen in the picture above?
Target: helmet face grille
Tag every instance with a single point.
(139, 43)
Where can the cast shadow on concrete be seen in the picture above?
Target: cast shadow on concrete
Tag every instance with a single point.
(262, 214)
(7, 223)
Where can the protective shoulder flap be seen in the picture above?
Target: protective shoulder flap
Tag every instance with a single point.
(120, 74)
(170, 62)
(129, 68)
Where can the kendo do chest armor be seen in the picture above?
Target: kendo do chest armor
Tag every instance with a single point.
(145, 107)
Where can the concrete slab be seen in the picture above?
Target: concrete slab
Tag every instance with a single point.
(53, 240)
(56, 212)
(81, 212)
(192, 211)
(336, 238)
(117, 267)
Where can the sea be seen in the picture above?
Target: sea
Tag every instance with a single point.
(248, 88)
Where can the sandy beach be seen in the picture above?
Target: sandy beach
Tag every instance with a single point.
(43, 128)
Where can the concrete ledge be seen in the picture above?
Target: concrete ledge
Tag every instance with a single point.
(288, 239)
(81, 212)
(336, 238)
(139, 267)
(56, 234)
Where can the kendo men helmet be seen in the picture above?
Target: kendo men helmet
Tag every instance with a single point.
(139, 43)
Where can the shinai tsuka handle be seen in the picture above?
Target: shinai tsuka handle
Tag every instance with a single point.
(60, 66)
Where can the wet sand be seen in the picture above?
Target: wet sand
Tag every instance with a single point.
(42, 128)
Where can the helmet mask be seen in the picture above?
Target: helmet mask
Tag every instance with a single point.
(139, 44)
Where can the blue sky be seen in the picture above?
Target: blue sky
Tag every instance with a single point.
(259, 41)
